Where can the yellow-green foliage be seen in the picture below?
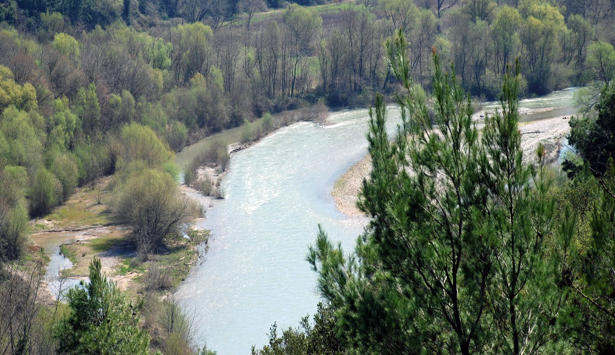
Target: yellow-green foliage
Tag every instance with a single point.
(24, 138)
(52, 22)
(11, 93)
(192, 46)
(66, 44)
(62, 124)
(141, 143)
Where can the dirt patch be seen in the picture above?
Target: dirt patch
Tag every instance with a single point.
(547, 132)
(346, 189)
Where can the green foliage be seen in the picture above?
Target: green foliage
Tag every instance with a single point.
(540, 32)
(592, 137)
(7, 12)
(13, 212)
(453, 258)
(52, 22)
(176, 135)
(13, 225)
(593, 320)
(403, 14)
(141, 143)
(22, 138)
(148, 202)
(101, 320)
(521, 213)
(66, 44)
(266, 123)
(62, 125)
(247, 132)
(11, 93)
(94, 160)
(505, 32)
(66, 171)
(192, 47)
(601, 59)
(87, 108)
(45, 193)
(307, 339)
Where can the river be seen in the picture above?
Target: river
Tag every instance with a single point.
(276, 194)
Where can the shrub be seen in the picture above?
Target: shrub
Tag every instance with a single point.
(188, 176)
(65, 170)
(141, 143)
(246, 132)
(45, 194)
(207, 187)
(157, 278)
(13, 227)
(150, 204)
(267, 123)
(222, 157)
(215, 153)
(176, 135)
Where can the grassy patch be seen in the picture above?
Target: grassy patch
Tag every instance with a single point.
(130, 265)
(86, 207)
(184, 158)
(106, 242)
(69, 252)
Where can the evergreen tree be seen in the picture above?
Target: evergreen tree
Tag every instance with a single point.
(589, 273)
(101, 320)
(452, 258)
(518, 214)
(594, 137)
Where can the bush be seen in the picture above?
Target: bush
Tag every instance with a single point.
(222, 157)
(207, 187)
(177, 327)
(141, 143)
(215, 153)
(157, 279)
(267, 123)
(150, 204)
(65, 170)
(247, 132)
(95, 160)
(188, 176)
(46, 193)
(13, 227)
(176, 135)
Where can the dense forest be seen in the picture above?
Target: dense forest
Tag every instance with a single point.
(92, 88)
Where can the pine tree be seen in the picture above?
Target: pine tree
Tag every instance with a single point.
(452, 259)
(523, 295)
(101, 320)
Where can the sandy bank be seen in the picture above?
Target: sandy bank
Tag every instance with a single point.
(549, 132)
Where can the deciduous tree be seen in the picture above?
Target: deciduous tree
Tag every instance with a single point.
(148, 202)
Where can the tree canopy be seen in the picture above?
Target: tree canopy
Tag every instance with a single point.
(101, 319)
(453, 256)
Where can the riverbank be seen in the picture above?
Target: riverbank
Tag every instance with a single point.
(205, 163)
(549, 132)
(81, 229)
